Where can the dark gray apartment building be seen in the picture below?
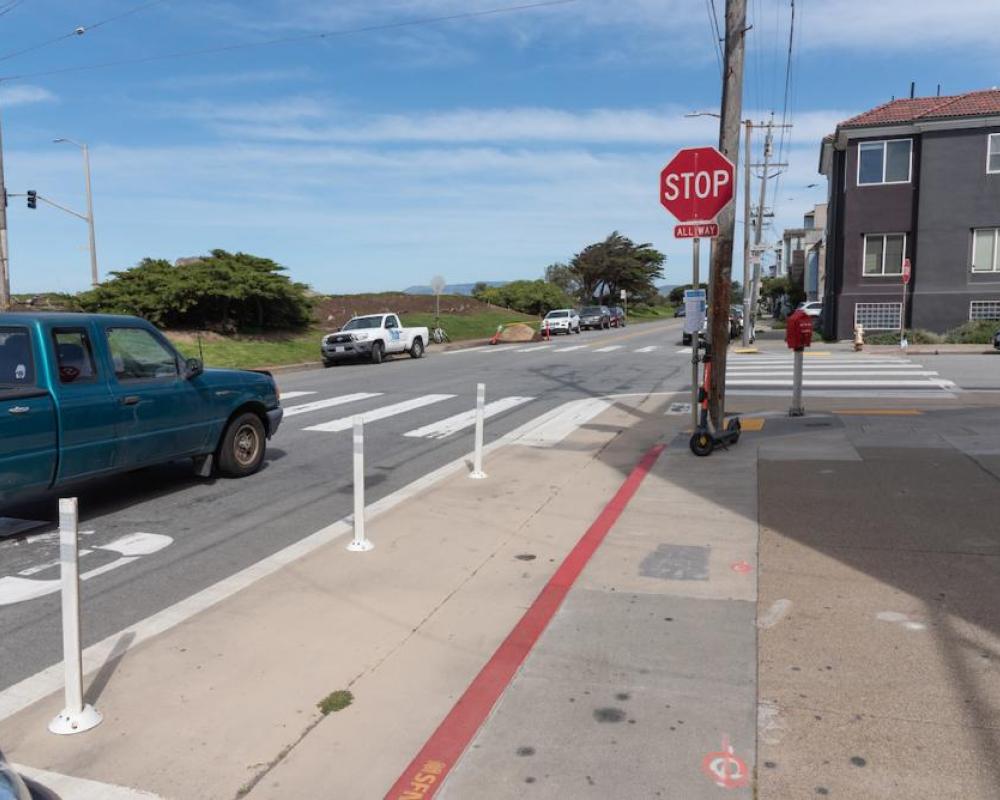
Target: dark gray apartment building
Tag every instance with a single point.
(917, 178)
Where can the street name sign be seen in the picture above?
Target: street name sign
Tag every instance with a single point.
(697, 230)
(697, 184)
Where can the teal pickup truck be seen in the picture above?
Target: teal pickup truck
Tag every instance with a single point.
(85, 395)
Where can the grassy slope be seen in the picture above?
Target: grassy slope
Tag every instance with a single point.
(244, 351)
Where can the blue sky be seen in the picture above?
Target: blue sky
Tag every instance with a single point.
(479, 149)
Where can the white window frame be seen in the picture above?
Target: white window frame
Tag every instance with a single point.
(885, 162)
(996, 252)
(892, 312)
(984, 305)
(864, 254)
(989, 151)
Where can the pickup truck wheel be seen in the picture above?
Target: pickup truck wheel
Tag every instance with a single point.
(417, 348)
(377, 353)
(243, 445)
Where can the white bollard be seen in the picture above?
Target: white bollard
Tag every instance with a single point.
(75, 717)
(360, 543)
(797, 410)
(477, 466)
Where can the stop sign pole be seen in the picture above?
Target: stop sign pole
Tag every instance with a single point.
(695, 186)
(907, 267)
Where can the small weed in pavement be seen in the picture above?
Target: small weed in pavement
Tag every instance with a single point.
(335, 701)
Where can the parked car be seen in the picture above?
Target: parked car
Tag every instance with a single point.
(996, 340)
(595, 317)
(617, 317)
(374, 336)
(84, 395)
(680, 311)
(735, 322)
(11, 785)
(562, 320)
(687, 338)
(812, 307)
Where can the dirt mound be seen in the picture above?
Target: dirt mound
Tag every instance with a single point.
(332, 311)
(516, 332)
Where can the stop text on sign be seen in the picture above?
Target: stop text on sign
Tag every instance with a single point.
(699, 184)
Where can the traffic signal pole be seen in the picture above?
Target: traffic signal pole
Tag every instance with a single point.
(722, 252)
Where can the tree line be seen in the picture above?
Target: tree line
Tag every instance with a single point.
(596, 274)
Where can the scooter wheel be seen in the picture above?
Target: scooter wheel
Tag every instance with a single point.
(702, 443)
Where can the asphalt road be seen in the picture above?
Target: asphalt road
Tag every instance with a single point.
(204, 531)
(218, 527)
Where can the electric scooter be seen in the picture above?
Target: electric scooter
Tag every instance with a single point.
(703, 441)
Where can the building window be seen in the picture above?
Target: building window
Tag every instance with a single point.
(984, 309)
(993, 153)
(984, 250)
(884, 253)
(878, 316)
(884, 162)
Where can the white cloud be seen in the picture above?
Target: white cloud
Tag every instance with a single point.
(24, 95)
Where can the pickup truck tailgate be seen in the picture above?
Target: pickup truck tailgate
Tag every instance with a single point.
(28, 445)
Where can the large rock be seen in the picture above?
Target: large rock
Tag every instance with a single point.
(516, 332)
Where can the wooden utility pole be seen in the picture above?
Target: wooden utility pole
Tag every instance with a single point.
(720, 281)
(4, 254)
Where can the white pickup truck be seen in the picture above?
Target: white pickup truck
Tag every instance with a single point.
(374, 336)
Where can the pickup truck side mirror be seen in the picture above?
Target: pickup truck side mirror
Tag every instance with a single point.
(193, 368)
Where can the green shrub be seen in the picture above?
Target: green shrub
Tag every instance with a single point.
(915, 336)
(226, 292)
(978, 332)
(529, 297)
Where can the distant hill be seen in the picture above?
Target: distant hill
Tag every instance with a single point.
(452, 288)
(666, 288)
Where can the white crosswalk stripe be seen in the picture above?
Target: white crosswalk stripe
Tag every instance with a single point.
(446, 427)
(293, 395)
(649, 349)
(570, 349)
(535, 348)
(836, 375)
(610, 349)
(345, 423)
(319, 405)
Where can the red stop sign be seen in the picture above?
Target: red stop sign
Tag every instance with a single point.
(697, 184)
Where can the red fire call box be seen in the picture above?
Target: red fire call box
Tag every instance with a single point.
(798, 330)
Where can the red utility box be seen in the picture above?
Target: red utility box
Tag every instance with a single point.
(798, 330)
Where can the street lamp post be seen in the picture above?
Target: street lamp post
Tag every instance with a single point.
(90, 207)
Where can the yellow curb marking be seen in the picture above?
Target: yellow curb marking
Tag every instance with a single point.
(746, 350)
(752, 423)
(817, 352)
(880, 412)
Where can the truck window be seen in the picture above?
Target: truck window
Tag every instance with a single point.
(391, 322)
(138, 355)
(16, 365)
(74, 355)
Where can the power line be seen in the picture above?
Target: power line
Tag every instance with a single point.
(784, 136)
(713, 22)
(6, 9)
(78, 31)
(284, 40)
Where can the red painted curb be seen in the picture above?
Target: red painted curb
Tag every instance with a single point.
(425, 774)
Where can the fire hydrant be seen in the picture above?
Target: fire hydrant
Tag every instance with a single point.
(859, 337)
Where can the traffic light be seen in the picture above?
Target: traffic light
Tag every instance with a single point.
(32, 198)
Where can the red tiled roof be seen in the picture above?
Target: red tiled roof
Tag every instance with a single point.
(971, 104)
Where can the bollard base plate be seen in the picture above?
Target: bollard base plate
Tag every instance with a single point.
(68, 722)
(362, 546)
(478, 475)
(796, 412)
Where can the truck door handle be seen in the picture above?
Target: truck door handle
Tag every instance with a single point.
(18, 410)
(130, 400)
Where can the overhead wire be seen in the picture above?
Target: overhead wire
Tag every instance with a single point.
(77, 31)
(713, 24)
(8, 7)
(319, 35)
(784, 137)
